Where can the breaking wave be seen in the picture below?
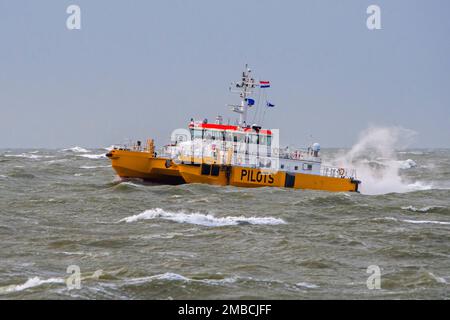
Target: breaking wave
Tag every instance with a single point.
(93, 156)
(407, 164)
(201, 219)
(424, 209)
(76, 149)
(375, 161)
(417, 221)
(427, 222)
(94, 167)
(169, 276)
(27, 155)
(307, 285)
(111, 147)
(30, 283)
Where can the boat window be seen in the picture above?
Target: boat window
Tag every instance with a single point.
(238, 137)
(269, 141)
(307, 166)
(228, 136)
(296, 168)
(282, 166)
(208, 135)
(263, 140)
(197, 134)
(253, 139)
(217, 135)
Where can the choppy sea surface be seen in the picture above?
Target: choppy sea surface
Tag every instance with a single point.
(132, 240)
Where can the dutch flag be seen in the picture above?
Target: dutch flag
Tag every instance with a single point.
(264, 84)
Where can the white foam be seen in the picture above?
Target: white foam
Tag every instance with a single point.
(201, 219)
(417, 221)
(407, 164)
(94, 167)
(28, 156)
(169, 276)
(30, 283)
(131, 184)
(375, 160)
(111, 147)
(307, 285)
(418, 185)
(76, 149)
(93, 156)
(427, 222)
(423, 210)
(411, 152)
(438, 279)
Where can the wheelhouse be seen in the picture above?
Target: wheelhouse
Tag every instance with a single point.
(228, 133)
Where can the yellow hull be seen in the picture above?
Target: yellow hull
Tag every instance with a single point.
(250, 177)
(143, 165)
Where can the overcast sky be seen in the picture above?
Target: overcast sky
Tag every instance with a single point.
(139, 69)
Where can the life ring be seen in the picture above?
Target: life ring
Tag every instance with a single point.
(341, 171)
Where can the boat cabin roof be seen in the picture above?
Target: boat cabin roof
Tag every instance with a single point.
(223, 127)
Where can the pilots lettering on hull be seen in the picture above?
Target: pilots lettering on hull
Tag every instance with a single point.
(256, 176)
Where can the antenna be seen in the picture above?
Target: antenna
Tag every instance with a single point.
(244, 88)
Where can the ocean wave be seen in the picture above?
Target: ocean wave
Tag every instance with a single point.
(169, 276)
(419, 186)
(94, 167)
(56, 161)
(307, 285)
(30, 283)
(406, 164)
(427, 222)
(201, 219)
(93, 156)
(418, 153)
(28, 156)
(416, 221)
(423, 209)
(127, 185)
(76, 149)
(111, 147)
(437, 278)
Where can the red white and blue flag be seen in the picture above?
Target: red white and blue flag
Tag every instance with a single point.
(264, 84)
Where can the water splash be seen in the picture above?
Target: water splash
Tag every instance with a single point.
(201, 219)
(374, 157)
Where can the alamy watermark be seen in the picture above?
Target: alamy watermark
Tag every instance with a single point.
(374, 280)
(74, 280)
(373, 22)
(73, 22)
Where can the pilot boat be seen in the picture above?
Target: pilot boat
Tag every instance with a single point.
(239, 154)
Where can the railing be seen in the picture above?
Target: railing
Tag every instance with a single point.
(225, 153)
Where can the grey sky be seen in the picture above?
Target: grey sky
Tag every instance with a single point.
(139, 69)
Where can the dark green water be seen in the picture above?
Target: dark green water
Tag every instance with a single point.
(138, 241)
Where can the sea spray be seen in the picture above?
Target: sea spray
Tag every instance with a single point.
(201, 219)
(375, 161)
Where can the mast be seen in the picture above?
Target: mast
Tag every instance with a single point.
(244, 88)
